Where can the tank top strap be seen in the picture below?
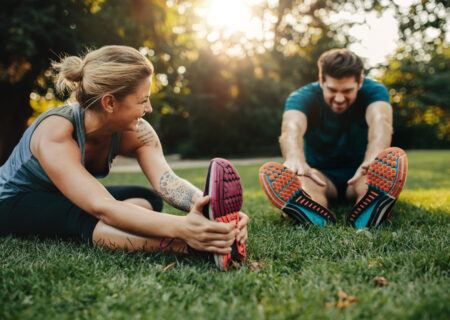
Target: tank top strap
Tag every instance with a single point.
(78, 113)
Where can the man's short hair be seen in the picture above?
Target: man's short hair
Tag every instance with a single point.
(340, 63)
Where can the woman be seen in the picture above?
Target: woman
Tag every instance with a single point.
(48, 186)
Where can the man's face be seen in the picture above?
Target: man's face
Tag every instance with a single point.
(339, 94)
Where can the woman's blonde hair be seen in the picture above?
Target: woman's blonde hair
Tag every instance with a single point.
(115, 70)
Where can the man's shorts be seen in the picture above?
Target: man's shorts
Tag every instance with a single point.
(52, 215)
(339, 177)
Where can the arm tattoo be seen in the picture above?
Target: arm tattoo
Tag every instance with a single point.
(145, 135)
(178, 192)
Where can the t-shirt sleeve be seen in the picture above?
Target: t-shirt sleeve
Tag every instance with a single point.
(375, 91)
(301, 99)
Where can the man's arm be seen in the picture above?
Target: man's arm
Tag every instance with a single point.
(379, 121)
(145, 145)
(293, 129)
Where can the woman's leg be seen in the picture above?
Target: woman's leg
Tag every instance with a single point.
(138, 195)
(112, 238)
(46, 215)
(51, 215)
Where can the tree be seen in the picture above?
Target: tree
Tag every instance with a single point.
(34, 32)
(418, 75)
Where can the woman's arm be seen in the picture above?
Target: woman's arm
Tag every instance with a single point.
(145, 145)
(52, 144)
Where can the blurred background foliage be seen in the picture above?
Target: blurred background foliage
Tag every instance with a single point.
(218, 92)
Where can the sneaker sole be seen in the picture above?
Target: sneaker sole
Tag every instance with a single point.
(223, 185)
(284, 189)
(386, 178)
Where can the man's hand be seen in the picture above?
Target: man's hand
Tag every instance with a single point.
(303, 169)
(360, 172)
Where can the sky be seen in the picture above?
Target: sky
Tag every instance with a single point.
(375, 40)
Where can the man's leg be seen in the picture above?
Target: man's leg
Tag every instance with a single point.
(286, 191)
(385, 178)
(357, 190)
(320, 194)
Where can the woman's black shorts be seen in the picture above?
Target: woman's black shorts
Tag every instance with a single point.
(52, 215)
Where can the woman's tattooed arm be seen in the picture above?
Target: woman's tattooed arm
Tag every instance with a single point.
(146, 135)
(178, 192)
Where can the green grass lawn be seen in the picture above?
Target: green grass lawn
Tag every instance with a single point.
(291, 272)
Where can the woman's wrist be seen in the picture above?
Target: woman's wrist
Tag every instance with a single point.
(178, 229)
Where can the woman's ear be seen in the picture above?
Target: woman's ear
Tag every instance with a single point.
(108, 102)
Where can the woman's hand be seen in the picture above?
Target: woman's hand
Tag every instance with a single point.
(242, 228)
(203, 234)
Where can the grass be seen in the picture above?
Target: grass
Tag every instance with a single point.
(291, 272)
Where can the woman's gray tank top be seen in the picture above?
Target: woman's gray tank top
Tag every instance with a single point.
(22, 172)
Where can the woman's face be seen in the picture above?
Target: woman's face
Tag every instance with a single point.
(134, 106)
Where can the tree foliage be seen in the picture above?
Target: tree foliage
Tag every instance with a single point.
(224, 94)
(418, 76)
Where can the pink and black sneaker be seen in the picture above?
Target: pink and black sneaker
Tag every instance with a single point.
(223, 185)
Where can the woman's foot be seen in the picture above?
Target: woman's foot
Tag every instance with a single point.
(223, 185)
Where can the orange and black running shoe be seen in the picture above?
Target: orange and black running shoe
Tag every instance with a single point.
(284, 189)
(223, 185)
(386, 177)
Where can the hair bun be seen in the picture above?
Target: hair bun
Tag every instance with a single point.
(72, 68)
(69, 73)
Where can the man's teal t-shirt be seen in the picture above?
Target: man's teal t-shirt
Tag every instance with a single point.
(335, 141)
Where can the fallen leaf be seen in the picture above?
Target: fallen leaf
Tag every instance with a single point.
(380, 281)
(374, 263)
(255, 266)
(342, 294)
(235, 264)
(344, 300)
(169, 266)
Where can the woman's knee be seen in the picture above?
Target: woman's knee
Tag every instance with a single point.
(141, 202)
(149, 199)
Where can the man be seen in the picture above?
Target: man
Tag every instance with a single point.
(334, 140)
